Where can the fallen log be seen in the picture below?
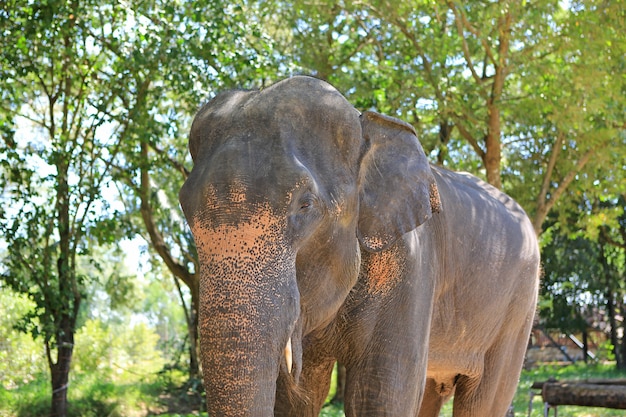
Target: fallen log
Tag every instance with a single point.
(594, 381)
(584, 394)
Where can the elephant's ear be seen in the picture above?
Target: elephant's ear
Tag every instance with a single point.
(397, 190)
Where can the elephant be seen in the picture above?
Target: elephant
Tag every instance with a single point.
(324, 234)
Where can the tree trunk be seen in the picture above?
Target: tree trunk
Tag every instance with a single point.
(590, 395)
(585, 345)
(621, 341)
(65, 306)
(195, 307)
(60, 377)
(178, 269)
(60, 370)
(191, 317)
(587, 381)
(610, 305)
(493, 145)
(493, 157)
(445, 133)
(613, 325)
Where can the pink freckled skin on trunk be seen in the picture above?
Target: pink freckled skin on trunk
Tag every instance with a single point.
(244, 289)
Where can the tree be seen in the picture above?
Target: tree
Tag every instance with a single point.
(479, 38)
(60, 99)
(98, 97)
(181, 57)
(611, 238)
(572, 284)
(569, 132)
(585, 271)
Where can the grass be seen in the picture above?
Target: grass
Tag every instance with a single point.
(161, 396)
(571, 372)
(92, 396)
(522, 396)
(87, 398)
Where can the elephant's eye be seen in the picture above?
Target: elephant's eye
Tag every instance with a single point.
(306, 215)
(307, 202)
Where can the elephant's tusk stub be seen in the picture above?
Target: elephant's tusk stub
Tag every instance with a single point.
(289, 355)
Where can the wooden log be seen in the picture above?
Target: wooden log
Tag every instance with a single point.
(539, 384)
(619, 381)
(590, 395)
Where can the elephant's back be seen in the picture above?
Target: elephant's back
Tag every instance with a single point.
(475, 211)
(488, 261)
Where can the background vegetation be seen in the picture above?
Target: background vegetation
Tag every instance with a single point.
(98, 284)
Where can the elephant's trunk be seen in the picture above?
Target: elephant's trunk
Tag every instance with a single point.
(248, 310)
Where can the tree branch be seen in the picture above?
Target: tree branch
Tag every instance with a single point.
(554, 156)
(398, 22)
(608, 239)
(467, 25)
(567, 180)
(460, 22)
(468, 137)
(177, 165)
(545, 204)
(156, 238)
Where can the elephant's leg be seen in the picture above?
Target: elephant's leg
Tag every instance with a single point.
(307, 398)
(384, 386)
(491, 393)
(435, 395)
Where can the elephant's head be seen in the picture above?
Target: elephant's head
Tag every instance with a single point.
(288, 185)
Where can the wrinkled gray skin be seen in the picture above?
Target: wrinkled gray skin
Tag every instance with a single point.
(326, 231)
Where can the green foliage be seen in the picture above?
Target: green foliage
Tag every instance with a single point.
(28, 400)
(116, 351)
(584, 283)
(21, 359)
(572, 282)
(115, 372)
(533, 78)
(63, 104)
(98, 98)
(89, 398)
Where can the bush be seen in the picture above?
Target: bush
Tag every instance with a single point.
(114, 370)
(116, 352)
(22, 360)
